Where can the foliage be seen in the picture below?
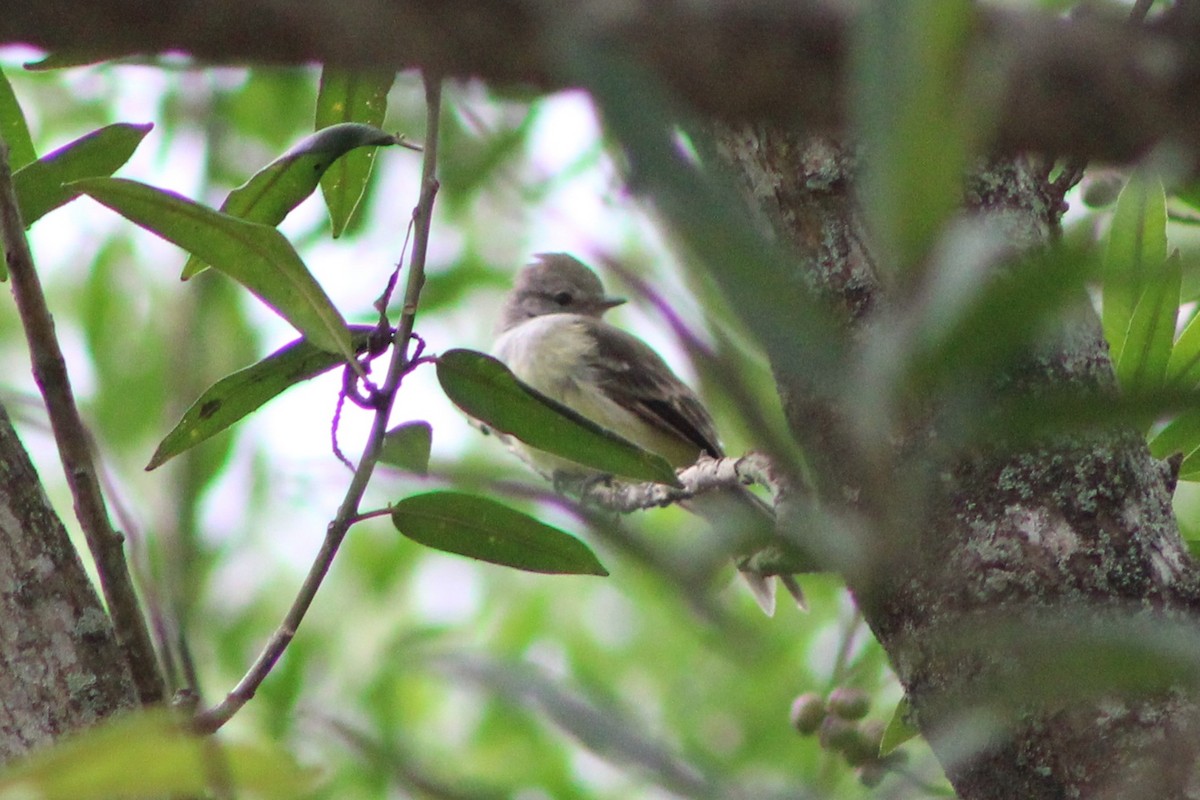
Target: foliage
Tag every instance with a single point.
(149, 751)
(427, 674)
(376, 704)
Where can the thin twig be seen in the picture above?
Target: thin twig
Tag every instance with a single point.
(212, 719)
(163, 623)
(74, 449)
(422, 220)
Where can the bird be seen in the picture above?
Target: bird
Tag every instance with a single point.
(552, 336)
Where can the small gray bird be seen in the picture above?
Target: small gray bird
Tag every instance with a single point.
(552, 337)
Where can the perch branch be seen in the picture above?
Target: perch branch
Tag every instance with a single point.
(706, 475)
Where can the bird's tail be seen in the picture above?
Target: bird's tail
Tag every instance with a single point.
(740, 513)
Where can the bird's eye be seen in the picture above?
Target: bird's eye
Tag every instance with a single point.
(563, 298)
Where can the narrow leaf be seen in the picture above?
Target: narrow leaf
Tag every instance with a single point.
(916, 113)
(591, 718)
(1137, 242)
(407, 447)
(476, 527)
(1183, 369)
(1189, 470)
(1142, 364)
(255, 255)
(1181, 435)
(234, 396)
(147, 754)
(1002, 316)
(1189, 193)
(485, 389)
(1017, 416)
(81, 57)
(350, 97)
(13, 128)
(793, 326)
(899, 730)
(287, 181)
(40, 185)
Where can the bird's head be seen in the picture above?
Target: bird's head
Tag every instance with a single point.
(555, 283)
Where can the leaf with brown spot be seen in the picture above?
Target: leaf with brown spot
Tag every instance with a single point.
(236, 395)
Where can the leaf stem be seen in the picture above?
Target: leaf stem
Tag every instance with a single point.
(212, 719)
(75, 450)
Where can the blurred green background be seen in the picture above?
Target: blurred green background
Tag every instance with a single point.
(419, 674)
(416, 674)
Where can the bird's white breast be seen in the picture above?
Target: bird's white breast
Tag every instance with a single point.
(547, 352)
(558, 355)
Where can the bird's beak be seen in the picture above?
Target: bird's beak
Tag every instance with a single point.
(611, 302)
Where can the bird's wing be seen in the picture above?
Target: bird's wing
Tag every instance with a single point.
(628, 371)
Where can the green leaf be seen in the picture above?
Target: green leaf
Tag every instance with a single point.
(233, 397)
(40, 185)
(147, 754)
(407, 447)
(1014, 415)
(81, 57)
(13, 128)
(255, 255)
(796, 330)
(1183, 369)
(485, 389)
(350, 97)
(1136, 248)
(1143, 362)
(898, 730)
(917, 111)
(287, 181)
(587, 716)
(1181, 435)
(477, 527)
(1188, 193)
(981, 325)
(1189, 470)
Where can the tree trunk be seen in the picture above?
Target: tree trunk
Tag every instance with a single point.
(1070, 534)
(60, 668)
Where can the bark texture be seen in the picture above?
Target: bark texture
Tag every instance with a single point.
(1075, 528)
(60, 667)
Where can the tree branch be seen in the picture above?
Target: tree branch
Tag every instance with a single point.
(1093, 87)
(347, 514)
(74, 448)
(964, 532)
(706, 475)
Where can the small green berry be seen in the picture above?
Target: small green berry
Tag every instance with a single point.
(808, 711)
(872, 731)
(849, 703)
(871, 774)
(837, 734)
(860, 750)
